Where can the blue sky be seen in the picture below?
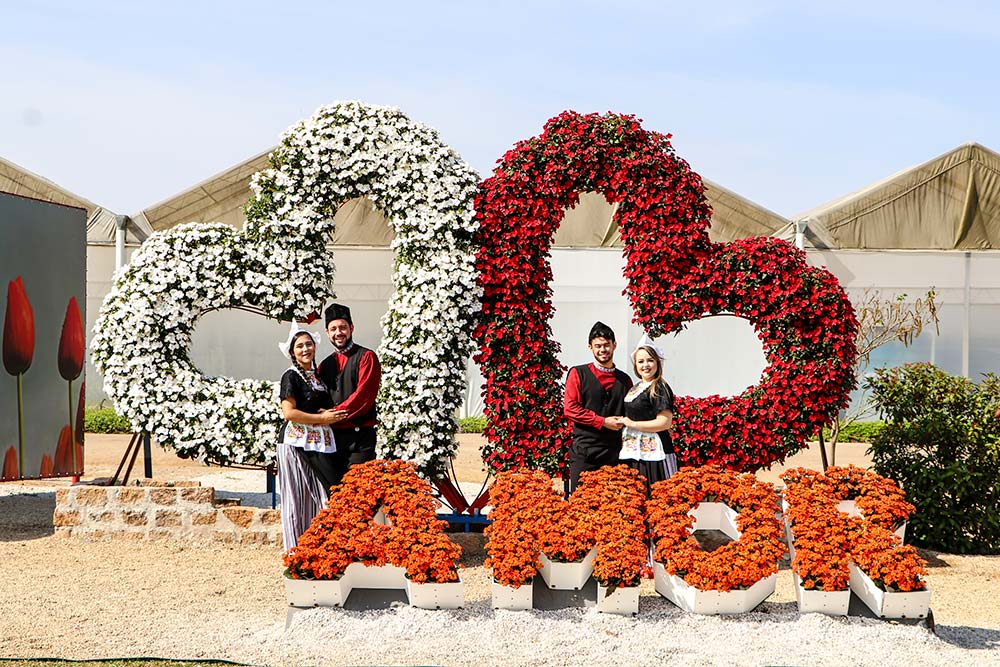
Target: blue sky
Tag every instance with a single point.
(787, 103)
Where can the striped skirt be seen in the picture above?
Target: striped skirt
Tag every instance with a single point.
(302, 494)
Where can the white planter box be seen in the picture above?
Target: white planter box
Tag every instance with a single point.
(697, 601)
(316, 593)
(716, 516)
(831, 603)
(449, 595)
(333, 593)
(850, 508)
(567, 576)
(384, 577)
(889, 605)
(623, 600)
(515, 599)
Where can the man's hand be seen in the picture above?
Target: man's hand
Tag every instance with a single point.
(332, 416)
(614, 423)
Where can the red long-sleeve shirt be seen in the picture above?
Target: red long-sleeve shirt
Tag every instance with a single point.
(572, 405)
(361, 401)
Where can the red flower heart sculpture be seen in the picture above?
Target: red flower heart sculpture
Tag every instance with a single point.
(675, 275)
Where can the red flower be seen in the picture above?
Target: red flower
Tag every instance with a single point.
(71, 343)
(18, 329)
(675, 274)
(10, 464)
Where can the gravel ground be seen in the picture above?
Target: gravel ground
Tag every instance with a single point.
(73, 599)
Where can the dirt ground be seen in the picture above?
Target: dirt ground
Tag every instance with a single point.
(103, 453)
(74, 599)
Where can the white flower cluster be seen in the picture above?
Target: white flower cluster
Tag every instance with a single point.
(279, 263)
(425, 190)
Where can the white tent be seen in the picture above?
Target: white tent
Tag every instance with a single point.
(932, 226)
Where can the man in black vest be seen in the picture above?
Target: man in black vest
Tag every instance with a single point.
(594, 404)
(352, 374)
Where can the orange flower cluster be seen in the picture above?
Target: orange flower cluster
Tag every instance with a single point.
(827, 540)
(737, 565)
(344, 532)
(613, 499)
(529, 516)
(522, 500)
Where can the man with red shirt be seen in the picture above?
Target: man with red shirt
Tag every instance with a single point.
(352, 373)
(594, 404)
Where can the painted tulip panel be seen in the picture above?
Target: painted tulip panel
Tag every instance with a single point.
(43, 259)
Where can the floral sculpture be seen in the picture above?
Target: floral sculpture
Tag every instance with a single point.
(280, 264)
(675, 274)
(344, 532)
(529, 516)
(828, 540)
(733, 566)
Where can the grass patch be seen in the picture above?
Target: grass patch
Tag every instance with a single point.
(115, 662)
(472, 424)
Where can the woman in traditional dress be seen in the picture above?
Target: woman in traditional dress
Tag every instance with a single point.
(307, 453)
(649, 412)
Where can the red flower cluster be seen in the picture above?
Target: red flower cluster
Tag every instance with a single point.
(827, 540)
(675, 274)
(737, 565)
(344, 533)
(529, 516)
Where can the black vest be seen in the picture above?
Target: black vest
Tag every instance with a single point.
(343, 385)
(605, 402)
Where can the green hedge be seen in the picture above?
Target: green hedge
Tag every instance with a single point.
(471, 424)
(856, 432)
(104, 420)
(941, 443)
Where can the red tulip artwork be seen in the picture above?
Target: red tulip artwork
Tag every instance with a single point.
(67, 453)
(10, 464)
(47, 466)
(79, 425)
(18, 349)
(71, 355)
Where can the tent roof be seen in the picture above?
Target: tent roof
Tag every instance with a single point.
(949, 203)
(588, 225)
(100, 221)
(17, 180)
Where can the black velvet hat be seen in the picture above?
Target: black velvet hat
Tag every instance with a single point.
(599, 330)
(338, 312)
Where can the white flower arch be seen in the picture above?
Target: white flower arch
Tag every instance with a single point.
(279, 263)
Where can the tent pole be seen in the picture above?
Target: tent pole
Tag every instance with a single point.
(121, 222)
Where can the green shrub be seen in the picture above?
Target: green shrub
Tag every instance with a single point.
(941, 443)
(472, 424)
(104, 420)
(856, 432)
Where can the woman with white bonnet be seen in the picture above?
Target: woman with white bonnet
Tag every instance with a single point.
(307, 453)
(649, 413)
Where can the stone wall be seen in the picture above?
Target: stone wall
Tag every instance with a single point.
(154, 510)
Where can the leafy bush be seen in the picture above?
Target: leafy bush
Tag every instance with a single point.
(472, 424)
(941, 443)
(105, 420)
(856, 432)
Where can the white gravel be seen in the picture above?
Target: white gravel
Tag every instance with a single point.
(661, 634)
